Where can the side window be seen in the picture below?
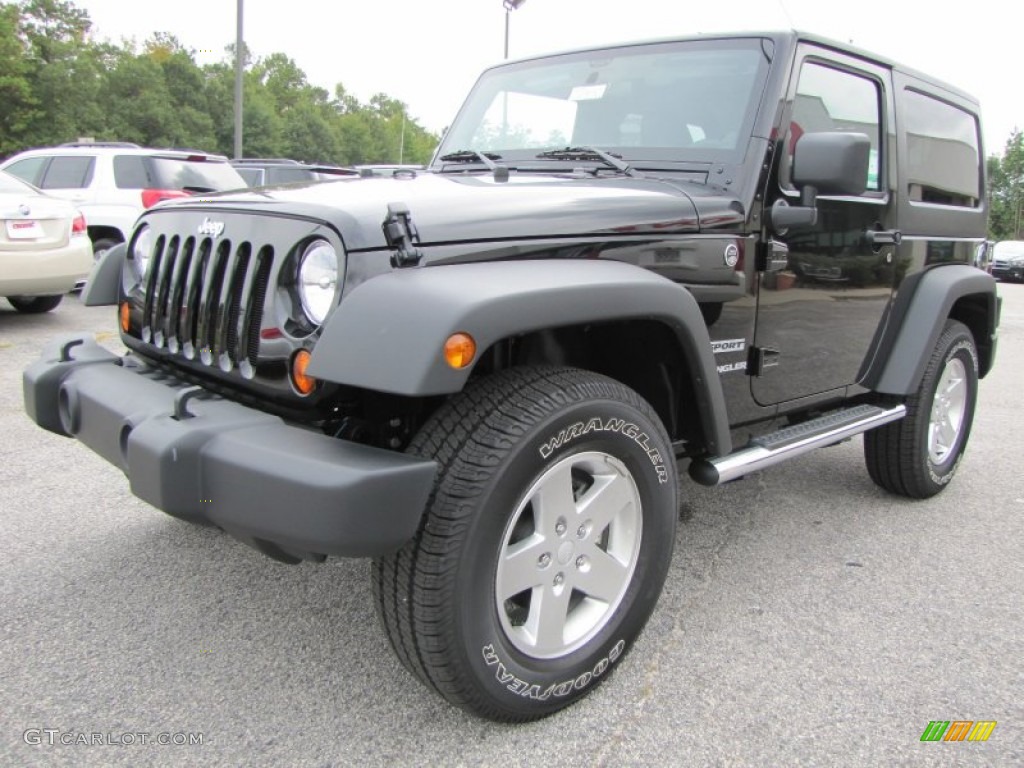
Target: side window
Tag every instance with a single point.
(29, 169)
(68, 173)
(288, 175)
(830, 99)
(130, 172)
(942, 151)
(253, 176)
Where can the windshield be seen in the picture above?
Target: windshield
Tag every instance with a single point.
(212, 175)
(684, 101)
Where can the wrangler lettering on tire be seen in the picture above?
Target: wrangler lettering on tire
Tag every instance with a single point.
(545, 543)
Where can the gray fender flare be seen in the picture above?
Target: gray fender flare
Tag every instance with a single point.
(900, 366)
(388, 334)
(103, 288)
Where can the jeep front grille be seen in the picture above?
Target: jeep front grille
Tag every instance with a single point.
(204, 299)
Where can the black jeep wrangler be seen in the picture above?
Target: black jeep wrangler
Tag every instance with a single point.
(716, 253)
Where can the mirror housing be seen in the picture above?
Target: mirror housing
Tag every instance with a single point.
(824, 163)
(832, 163)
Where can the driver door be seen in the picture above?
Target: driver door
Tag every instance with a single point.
(817, 318)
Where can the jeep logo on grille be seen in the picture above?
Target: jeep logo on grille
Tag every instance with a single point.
(211, 228)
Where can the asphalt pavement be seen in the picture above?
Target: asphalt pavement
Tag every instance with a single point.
(809, 619)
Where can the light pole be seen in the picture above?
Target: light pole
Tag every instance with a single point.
(401, 140)
(510, 5)
(239, 45)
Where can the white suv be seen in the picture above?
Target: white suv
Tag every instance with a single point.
(113, 182)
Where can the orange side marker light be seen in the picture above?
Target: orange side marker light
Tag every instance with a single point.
(459, 350)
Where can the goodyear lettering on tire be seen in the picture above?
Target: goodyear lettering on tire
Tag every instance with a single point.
(559, 690)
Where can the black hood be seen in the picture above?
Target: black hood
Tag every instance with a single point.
(461, 208)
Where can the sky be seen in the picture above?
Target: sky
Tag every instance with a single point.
(428, 53)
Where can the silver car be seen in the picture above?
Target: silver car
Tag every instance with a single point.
(44, 246)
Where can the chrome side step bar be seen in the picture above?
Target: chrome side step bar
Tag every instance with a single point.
(774, 448)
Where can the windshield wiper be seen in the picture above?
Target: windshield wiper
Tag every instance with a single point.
(487, 158)
(590, 153)
(471, 155)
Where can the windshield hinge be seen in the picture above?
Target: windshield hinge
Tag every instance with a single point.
(772, 255)
(400, 234)
(760, 359)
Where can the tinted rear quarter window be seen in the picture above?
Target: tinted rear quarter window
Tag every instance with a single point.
(286, 175)
(253, 176)
(942, 151)
(130, 172)
(73, 172)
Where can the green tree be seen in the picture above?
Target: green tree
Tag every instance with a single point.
(307, 135)
(1006, 190)
(19, 105)
(57, 84)
(284, 83)
(65, 70)
(185, 86)
(261, 125)
(150, 105)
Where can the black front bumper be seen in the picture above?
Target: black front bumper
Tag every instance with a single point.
(290, 492)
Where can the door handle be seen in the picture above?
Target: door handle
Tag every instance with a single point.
(878, 237)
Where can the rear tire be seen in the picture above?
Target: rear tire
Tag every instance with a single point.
(34, 305)
(919, 455)
(544, 545)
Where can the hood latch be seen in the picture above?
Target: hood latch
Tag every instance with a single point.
(401, 234)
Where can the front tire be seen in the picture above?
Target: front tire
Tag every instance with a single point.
(919, 455)
(34, 305)
(544, 545)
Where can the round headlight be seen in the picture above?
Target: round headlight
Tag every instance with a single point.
(142, 251)
(318, 280)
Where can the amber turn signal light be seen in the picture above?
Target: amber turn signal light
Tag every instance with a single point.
(459, 350)
(303, 383)
(125, 314)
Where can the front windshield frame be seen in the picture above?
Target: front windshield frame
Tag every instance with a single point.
(741, 58)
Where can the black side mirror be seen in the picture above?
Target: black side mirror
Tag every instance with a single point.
(831, 163)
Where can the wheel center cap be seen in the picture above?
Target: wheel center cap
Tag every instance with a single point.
(565, 552)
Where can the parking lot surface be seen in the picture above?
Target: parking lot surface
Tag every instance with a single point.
(809, 619)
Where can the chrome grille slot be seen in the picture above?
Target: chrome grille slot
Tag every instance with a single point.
(176, 308)
(192, 293)
(254, 293)
(151, 285)
(226, 334)
(208, 303)
(160, 308)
